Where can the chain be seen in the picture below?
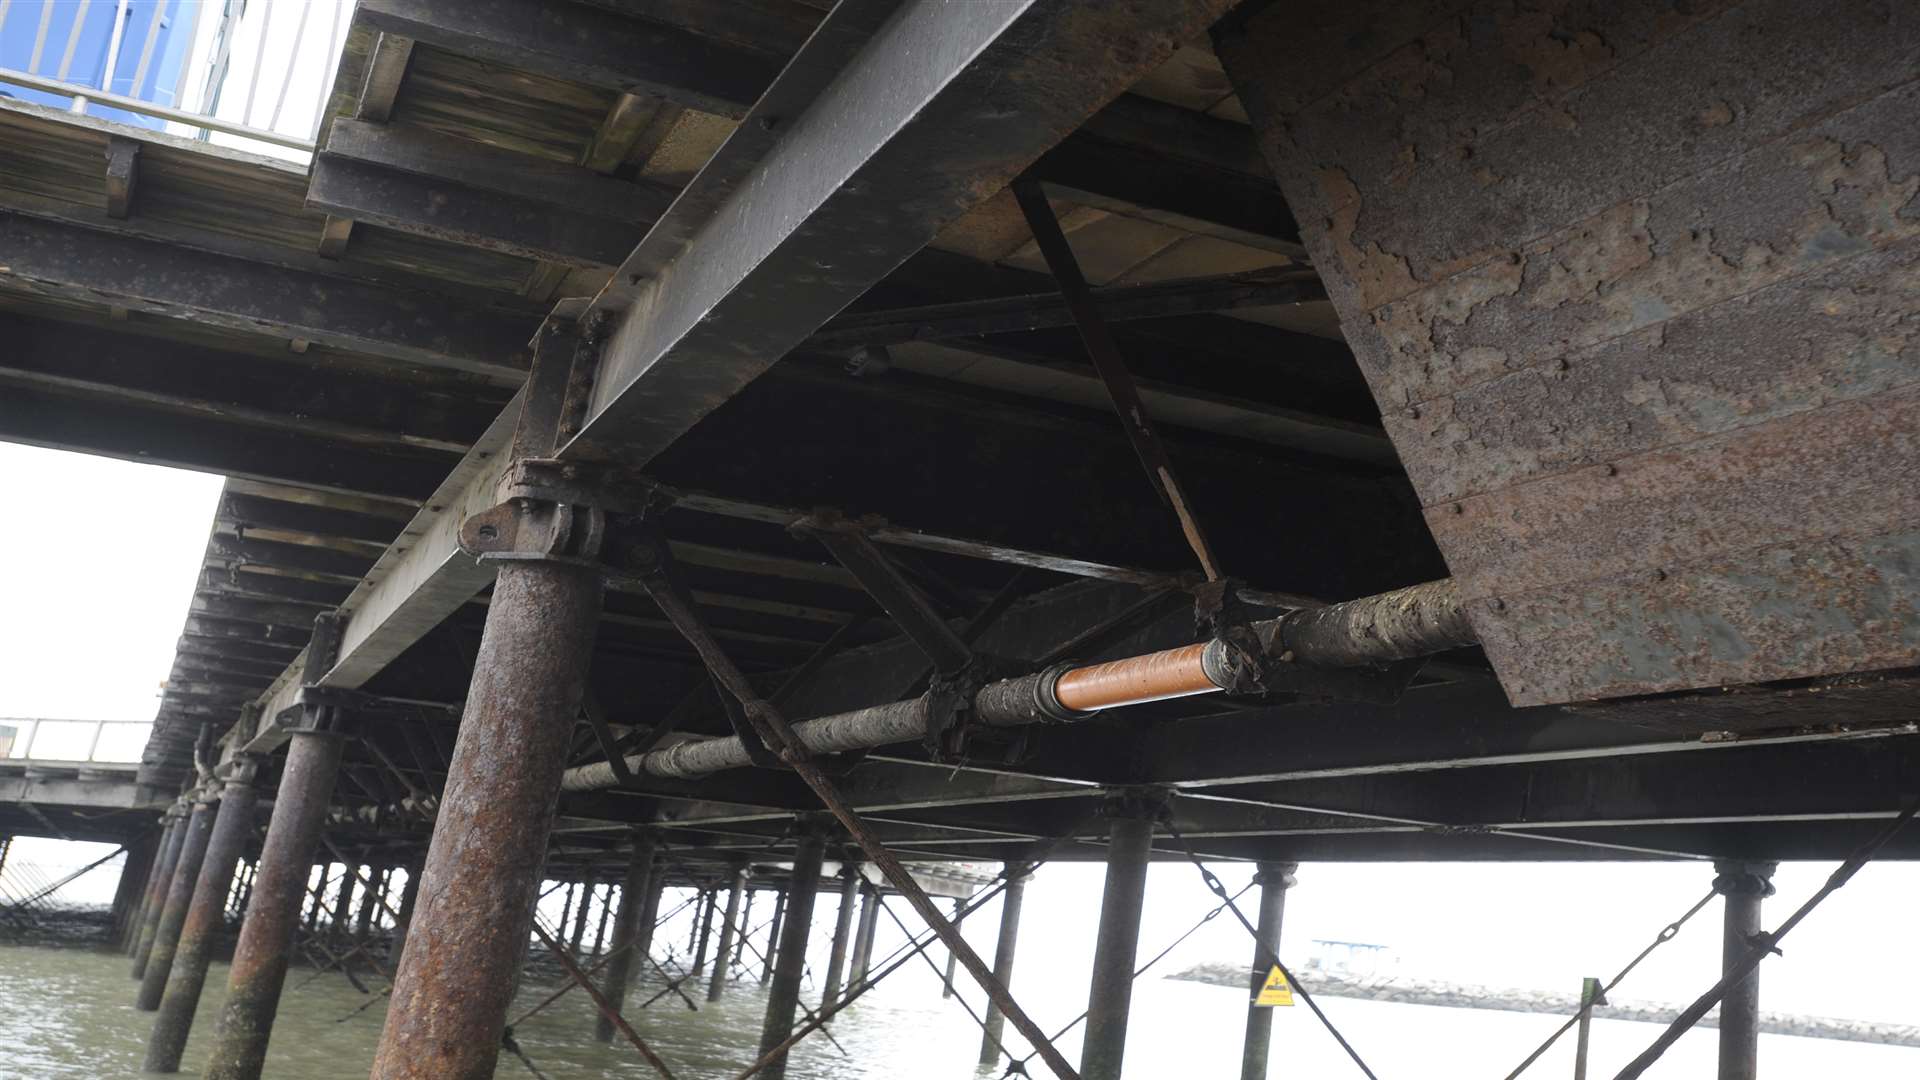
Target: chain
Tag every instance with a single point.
(1266, 956)
(1666, 934)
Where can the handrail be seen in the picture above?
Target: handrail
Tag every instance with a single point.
(21, 749)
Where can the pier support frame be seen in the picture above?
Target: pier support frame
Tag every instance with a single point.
(266, 934)
(842, 931)
(1129, 847)
(1744, 885)
(483, 870)
(580, 915)
(1003, 953)
(1274, 879)
(953, 958)
(156, 899)
(863, 940)
(632, 930)
(773, 934)
(136, 877)
(205, 918)
(724, 952)
(173, 914)
(783, 996)
(703, 932)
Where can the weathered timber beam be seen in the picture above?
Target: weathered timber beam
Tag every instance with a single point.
(332, 401)
(1204, 174)
(584, 44)
(300, 557)
(260, 512)
(282, 453)
(61, 259)
(444, 209)
(1116, 303)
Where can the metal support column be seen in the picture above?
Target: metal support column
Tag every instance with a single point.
(773, 934)
(1003, 952)
(1129, 845)
(606, 914)
(580, 916)
(157, 893)
(630, 938)
(1745, 885)
(205, 919)
(783, 997)
(136, 879)
(342, 904)
(173, 915)
(403, 917)
(369, 896)
(483, 869)
(266, 934)
(863, 939)
(746, 929)
(724, 951)
(1274, 879)
(704, 930)
(842, 931)
(953, 958)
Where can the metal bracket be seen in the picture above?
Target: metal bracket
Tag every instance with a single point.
(761, 754)
(1248, 658)
(903, 601)
(526, 528)
(597, 720)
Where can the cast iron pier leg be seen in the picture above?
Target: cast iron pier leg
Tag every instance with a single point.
(474, 916)
(136, 876)
(409, 895)
(773, 933)
(173, 916)
(718, 984)
(783, 997)
(580, 916)
(863, 939)
(1274, 879)
(953, 958)
(1003, 951)
(162, 884)
(842, 931)
(1129, 846)
(1744, 884)
(708, 900)
(206, 917)
(635, 893)
(266, 934)
(746, 929)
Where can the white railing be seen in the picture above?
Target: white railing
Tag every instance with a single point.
(250, 73)
(101, 741)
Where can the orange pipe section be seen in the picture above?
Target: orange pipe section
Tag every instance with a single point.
(1135, 680)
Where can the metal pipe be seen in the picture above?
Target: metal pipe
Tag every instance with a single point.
(783, 996)
(157, 897)
(173, 915)
(1274, 879)
(482, 875)
(206, 916)
(1745, 885)
(1129, 845)
(718, 983)
(1398, 625)
(842, 932)
(636, 892)
(995, 1025)
(259, 968)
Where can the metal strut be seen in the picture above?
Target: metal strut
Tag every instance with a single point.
(773, 728)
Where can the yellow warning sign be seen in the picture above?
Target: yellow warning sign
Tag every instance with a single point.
(1276, 991)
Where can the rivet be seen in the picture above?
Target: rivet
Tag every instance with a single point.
(1659, 575)
(1610, 470)
(1497, 604)
(1457, 508)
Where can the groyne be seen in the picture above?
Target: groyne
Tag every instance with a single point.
(1414, 991)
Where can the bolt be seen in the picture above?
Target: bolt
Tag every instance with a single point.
(1610, 470)
(1497, 604)
(488, 532)
(1659, 575)
(1457, 509)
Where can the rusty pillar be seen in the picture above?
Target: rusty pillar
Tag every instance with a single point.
(783, 996)
(1745, 885)
(342, 903)
(483, 869)
(1129, 846)
(863, 939)
(703, 930)
(842, 932)
(409, 895)
(319, 896)
(773, 934)
(746, 930)
(953, 958)
(157, 890)
(280, 880)
(136, 877)
(630, 938)
(724, 950)
(580, 915)
(606, 913)
(205, 918)
(1274, 879)
(369, 897)
(1003, 952)
(173, 914)
(566, 908)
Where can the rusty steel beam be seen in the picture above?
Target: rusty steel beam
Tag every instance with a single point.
(173, 914)
(450, 1003)
(206, 918)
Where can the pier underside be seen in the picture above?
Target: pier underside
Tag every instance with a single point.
(835, 343)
